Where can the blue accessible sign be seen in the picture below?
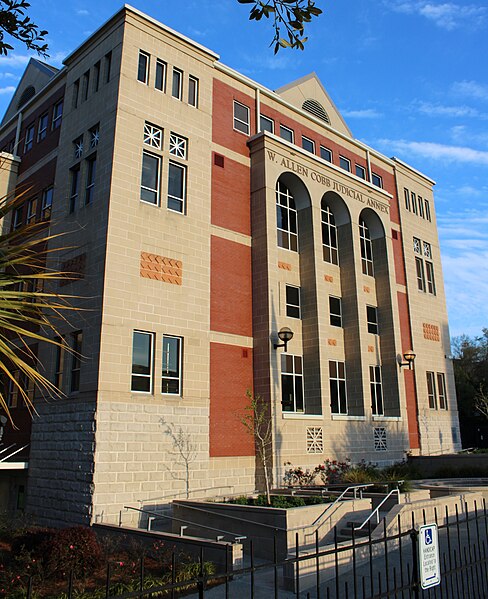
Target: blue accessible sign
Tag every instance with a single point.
(430, 570)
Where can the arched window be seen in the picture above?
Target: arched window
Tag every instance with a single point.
(286, 218)
(366, 249)
(329, 235)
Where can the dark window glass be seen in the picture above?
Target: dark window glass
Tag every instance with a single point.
(372, 317)
(150, 178)
(266, 124)
(344, 163)
(171, 365)
(142, 361)
(90, 179)
(176, 187)
(193, 91)
(335, 310)
(360, 171)
(337, 380)
(308, 144)
(326, 154)
(143, 68)
(75, 188)
(291, 383)
(176, 85)
(376, 390)
(286, 133)
(76, 339)
(292, 301)
(160, 81)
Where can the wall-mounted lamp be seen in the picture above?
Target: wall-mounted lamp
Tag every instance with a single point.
(409, 358)
(284, 334)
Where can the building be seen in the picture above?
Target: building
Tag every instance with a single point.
(202, 214)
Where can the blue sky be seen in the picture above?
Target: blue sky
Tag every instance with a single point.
(410, 78)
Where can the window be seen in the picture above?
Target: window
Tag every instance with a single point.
(429, 271)
(335, 311)
(241, 117)
(90, 178)
(308, 144)
(345, 163)
(427, 249)
(407, 198)
(171, 371)
(176, 87)
(29, 138)
(151, 167)
(31, 210)
(108, 66)
(143, 68)
(96, 76)
(177, 187)
(42, 128)
(414, 202)
(76, 93)
(427, 210)
(360, 171)
(78, 147)
(366, 249)
(293, 301)
(266, 124)
(421, 206)
(193, 91)
(74, 188)
(326, 154)
(47, 202)
(291, 383)
(419, 265)
(18, 217)
(376, 180)
(160, 80)
(142, 362)
(59, 362)
(86, 85)
(286, 218)
(424, 283)
(431, 390)
(376, 390)
(178, 145)
(57, 114)
(76, 341)
(338, 395)
(153, 136)
(13, 389)
(94, 135)
(287, 134)
(441, 388)
(372, 318)
(329, 235)
(417, 245)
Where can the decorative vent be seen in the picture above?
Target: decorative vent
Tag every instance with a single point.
(315, 439)
(27, 94)
(380, 443)
(315, 108)
(219, 160)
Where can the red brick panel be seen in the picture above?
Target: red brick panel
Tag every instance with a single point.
(230, 287)
(231, 203)
(230, 377)
(398, 258)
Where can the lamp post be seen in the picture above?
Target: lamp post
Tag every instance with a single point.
(284, 334)
(409, 358)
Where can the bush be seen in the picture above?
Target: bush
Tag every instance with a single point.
(69, 549)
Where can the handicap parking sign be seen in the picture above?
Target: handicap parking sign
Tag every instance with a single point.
(430, 572)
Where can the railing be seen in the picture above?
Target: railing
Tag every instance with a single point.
(377, 509)
(5, 458)
(140, 501)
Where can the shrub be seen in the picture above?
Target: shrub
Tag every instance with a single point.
(69, 549)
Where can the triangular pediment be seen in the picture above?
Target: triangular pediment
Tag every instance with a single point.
(309, 94)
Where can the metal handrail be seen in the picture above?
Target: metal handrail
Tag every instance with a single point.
(331, 505)
(14, 452)
(184, 493)
(377, 509)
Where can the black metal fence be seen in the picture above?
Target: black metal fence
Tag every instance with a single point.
(375, 564)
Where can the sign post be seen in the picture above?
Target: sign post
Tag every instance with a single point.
(429, 563)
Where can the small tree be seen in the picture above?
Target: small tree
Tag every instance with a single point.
(184, 451)
(258, 423)
(481, 401)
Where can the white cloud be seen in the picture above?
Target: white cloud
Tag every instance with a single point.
(7, 90)
(462, 135)
(446, 15)
(368, 113)
(449, 111)
(471, 89)
(82, 12)
(434, 150)
(15, 60)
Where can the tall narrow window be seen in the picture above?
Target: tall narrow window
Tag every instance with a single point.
(176, 87)
(372, 318)
(86, 85)
(427, 210)
(143, 68)
(329, 235)
(29, 138)
(293, 301)
(338, 394)
(177, 187)
(13, 389)
(193, 91)
(414, 202)
(171, 371)
(42, 128)
(74, 188)
(441, 388)
(376, 390)
(241, 117)
(31, 210)
(142, 361)
(431, 391)
(59, 363)
(76, 93)
(266, 124)
(345, 163)
(47, 202)
(421, 206)
(429, 271)
(96, 76)
(366, 249)
(76, 339)
(335, 311)
(287, 134)
(407, 198)
(286, 217)
(90, 178)
(18, 217)
(160, 80)
(108, 66)
(291, 383)
(151, 167)
(57, 114)
(419, 265)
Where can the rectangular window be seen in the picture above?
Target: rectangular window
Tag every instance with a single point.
(42, 128)
(29, 138)
(90, 178)
(13, 389)
(427, 210)
(178, 145)
(266, 124)
(325, 154)
(431, 391)
(241, 117)
(193, 91)
(421, 206)
(59, 363)
(376, 390)
(176, 87)
(171, 371)
(376, 180)
(142, 362)
(177, 187)
(287, 134)
(417, 245)
(76, 93)
(372, 318)
(86, 85)
(160, 80)
(74, 188)
(419, 265)
(308, 144)
(76, 341)
(441, 388)
(360, 171)
(407, 198)
(335, 311)
(31, 210)
(57, 114)
(338, 395)
(414, 202)
(18, 217)
(96, 76)
(143, 68)
(291, 383)
(94, 136)
(429, 271)
(293, 301)
(151, 168)
(47, 202)
(108, 66)
(345, 163)
(153, 136)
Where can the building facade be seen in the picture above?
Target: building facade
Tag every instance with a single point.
(201, 214)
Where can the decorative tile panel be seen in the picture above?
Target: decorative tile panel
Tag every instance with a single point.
(161, 268)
